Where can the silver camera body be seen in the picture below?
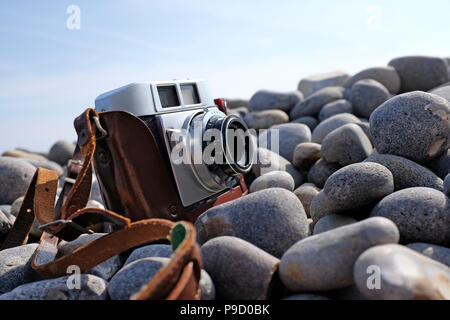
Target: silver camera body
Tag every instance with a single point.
(180, 113)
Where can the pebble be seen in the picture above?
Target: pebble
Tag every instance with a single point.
(47, 164)
(352, 187)
(335, 107)
(61, 152)
(312, 104)
(432, 251)
(130, 279)
(346, 145)
(150, 251)
(313, 83)
(331, 222)
(387, 76)
(15, 267)
(403, 275)
(420, 73)
(5, 225)
(265, 119)
(442, 165)
(236, 103)
(447, 185)
(104, 270)
(305, 193)
(306, 296)
(284, 137)
(272, 219)
(320, 171)
(330, 124)
(268, 161)
(407, 173)
(443, 91)
(305, 154)
(421, 214)
(208, 290)
(15, 176)
(240, 270)
(267, 99)
(91, 288)
(311, 122)
(412, 125)
(273, 179)
(325, 261)
(6, 208)
(24, 155)
(367, 95)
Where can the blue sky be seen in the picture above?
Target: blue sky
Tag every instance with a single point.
(50, 74)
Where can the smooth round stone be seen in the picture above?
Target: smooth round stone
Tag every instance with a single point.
(330, 124)
(311, 122)
(273, 179)
(313, 83)
(15, 206)
(236, 103)
(403, 274)
(267, 161)
(305, 154)
(306, 296)
(95, 204)
(240, 270)
(265, 119)
(325, 261)
(312, 104)
(271, 219)
(15, 267)
(421, 214)
(6, 208)
(407, 173)
(412, 125)
(305, 193)
(5, 226)
(284, 138)
(320, 171)
(442, 91)
(420, 73)
(104, 270)
(447, 185)
(15, 176)
(267, 99)
(61, 152)
(91, 288)
(131, 278)
(442, 165)
(47, 164)
(346, 145)
(150, 251)
(387, 76)
(335, 107)
(331, 222)
(367, 95)
(207, 288)
(365, 126)
(432, 251)
(24, 155)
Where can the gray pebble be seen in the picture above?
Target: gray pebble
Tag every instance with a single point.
(236, 103)
(407, 173)
(367, 95)
(331, 222)
(208, 290)
(47, 164)
(346, 145)
(130, 279)
(104, 270)
(335, 107)
(312, 104)
(5, 225)
(412, 125)
(447, 185)
(273, 179)
(239, 269)
(443, 91)
(421, 214)
(320, 171)
(91, 288)
(267, 99)
(313, 83)
(306, 296)
(442, 165)
(15, 267)
(15, 176)
(311, 122)
(420, 73)
(150, 251)
(432, 251)
(306, 193)
(266, 118)
(325, 261)
(387, 76)
(330, 124)
(24, 155)
(403, 274)
(305, 154)
(253, 216)
(286, 137)
(61, 152)
(6, 208)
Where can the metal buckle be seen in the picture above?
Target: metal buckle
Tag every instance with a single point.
(100, 128)
(69, 180)
(66, 222)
